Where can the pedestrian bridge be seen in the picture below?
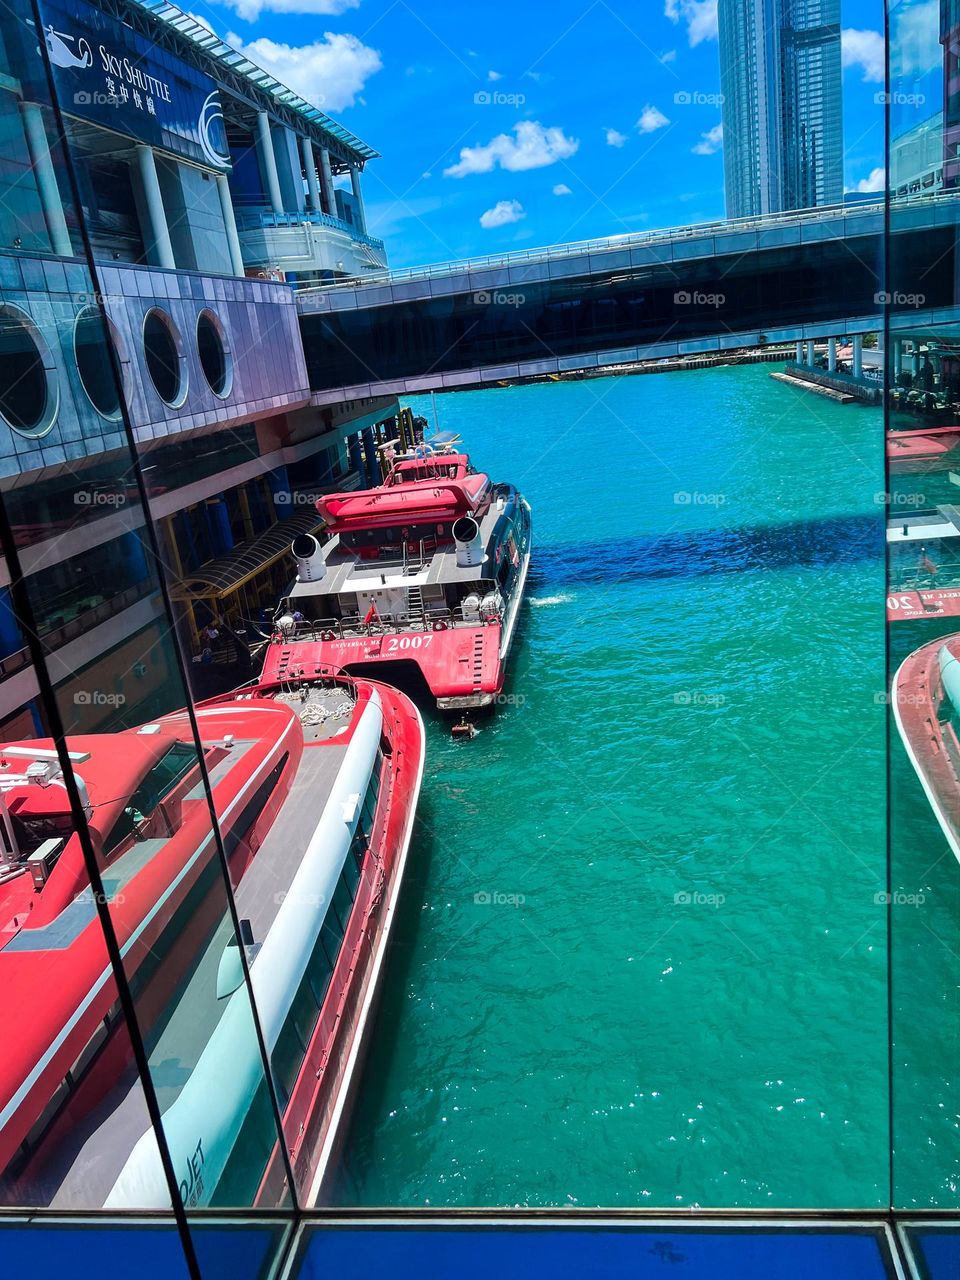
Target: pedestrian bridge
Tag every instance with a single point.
(702, 289)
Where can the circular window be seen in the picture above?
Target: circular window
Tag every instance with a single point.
(214, 353)
(94, 364)
(161, 347)
(28, 390)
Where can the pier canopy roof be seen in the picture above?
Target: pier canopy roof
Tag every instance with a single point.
(219, 578)
(241, 78)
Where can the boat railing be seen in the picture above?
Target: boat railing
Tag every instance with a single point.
(353, 626)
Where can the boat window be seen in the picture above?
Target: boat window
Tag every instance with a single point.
(172, 767)
(319, 973)
(31, 830)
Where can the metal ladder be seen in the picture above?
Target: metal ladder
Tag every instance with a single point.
(415, 609)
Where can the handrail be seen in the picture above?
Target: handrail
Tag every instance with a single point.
(547, 253)
(267, 219)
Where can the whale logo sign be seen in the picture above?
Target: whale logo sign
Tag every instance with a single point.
(61, 55)
(210, 113)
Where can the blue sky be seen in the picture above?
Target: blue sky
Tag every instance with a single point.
(509, 125)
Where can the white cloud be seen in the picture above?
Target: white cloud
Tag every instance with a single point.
(710, 142)
(561, 189)
(534, 147)
(877, 181)
(615, 138)
(700, 17)
(502, 214)
(651, 119)
(669, 55)
(494, 75)
(204, 22)
(330, 72)
(915, 40)
(863, 49)
(250, 10)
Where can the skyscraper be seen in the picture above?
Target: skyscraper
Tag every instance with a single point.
(780, 76)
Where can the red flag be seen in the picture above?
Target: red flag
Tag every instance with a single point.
(371, 615)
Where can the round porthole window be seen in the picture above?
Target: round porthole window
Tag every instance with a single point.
(28, 387)
(161, 349)
(94, 365)
(214, 353)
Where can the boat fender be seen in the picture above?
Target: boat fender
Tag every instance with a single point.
(327, 635)
(440, 625)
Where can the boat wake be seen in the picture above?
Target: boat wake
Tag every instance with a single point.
(543, 601)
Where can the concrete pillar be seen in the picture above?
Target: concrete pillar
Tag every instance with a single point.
(268, 161)
(832, 354)
(799, 353)
(858, 355)
(326, 183)
(230, 224)
(916, 359)
(358, 196)
(159, 234)
(897, 359)
(310, 169)
(46, 179)
(811, 353)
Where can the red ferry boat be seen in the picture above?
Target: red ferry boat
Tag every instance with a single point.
(315, 780)
(926, 707)
(426, 572)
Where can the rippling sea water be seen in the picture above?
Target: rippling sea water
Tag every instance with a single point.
(638, 959)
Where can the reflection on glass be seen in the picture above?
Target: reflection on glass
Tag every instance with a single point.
(923, 605)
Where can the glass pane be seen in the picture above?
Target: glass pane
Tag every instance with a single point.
(923, 431)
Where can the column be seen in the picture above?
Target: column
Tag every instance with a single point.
(373, 462)
(916, 359)
(358, 196)
(897, 359)
(799, 353)
(858, 355)
(356, 459)
(268, 161)
(230, 224)
(811, 353)
(310, 169)
(159, 235)
(832, 354)
(46, 179)
(326, 183)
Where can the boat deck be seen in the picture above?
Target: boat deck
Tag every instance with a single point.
(89, 1159)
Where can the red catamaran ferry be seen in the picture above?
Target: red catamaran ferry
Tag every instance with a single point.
(926, 707)
(425, 572)
(315, 780)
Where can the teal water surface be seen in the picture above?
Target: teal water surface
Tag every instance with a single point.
(639, 958)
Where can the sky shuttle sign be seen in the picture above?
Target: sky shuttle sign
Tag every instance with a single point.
(110, 75)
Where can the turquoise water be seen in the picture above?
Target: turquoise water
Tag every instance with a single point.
(677, 994)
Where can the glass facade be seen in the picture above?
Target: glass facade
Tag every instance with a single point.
(159, 453)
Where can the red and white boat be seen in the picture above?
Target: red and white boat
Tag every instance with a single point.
(926, 707)
(425, 573)
(923, 551)
(315, 782)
